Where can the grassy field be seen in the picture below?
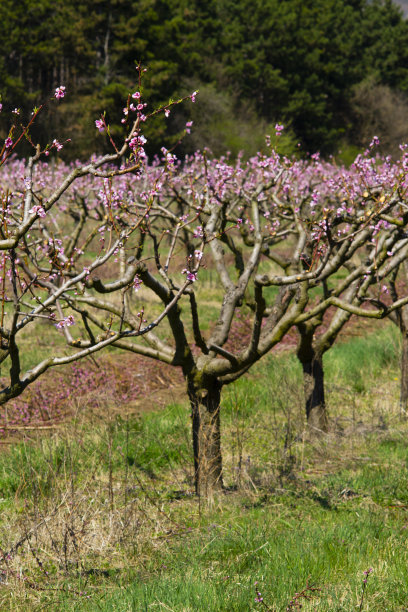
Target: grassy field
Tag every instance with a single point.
(98, 513)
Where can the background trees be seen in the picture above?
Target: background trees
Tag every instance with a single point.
(300, 62)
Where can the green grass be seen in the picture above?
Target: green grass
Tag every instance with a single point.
(156, 441)
(107, 509)
(361, 360)
(220, 566)
(311, 531)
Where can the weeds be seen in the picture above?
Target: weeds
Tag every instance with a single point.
(366, 574)
(306, 594)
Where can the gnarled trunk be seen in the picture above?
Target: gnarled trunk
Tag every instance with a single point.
(404, 375)
(205, 397)
(313, 382)
(313, 378)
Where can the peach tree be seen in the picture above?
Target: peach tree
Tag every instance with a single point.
(50, 247)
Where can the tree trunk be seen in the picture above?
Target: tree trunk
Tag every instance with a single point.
(404, 375)
(205, 411)
(313, 381)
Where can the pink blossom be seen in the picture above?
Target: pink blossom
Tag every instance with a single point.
(193, 96)
(136, 95)
(137, 141)
(279, 129)
(137, 283)
(38, 210)
(198, 232)
(66, 322)
(167, 112)
(57, 145)
(59, 92)
(188, 126)
(191, 276)
(8, 142)
(100, 124)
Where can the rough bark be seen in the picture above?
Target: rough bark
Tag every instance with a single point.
(205, 411)
(313, 381)
(313, 377)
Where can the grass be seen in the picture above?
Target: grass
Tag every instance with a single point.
(361, 360)
(280, 549)
(100, 514)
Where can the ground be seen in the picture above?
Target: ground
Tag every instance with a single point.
(98, 512)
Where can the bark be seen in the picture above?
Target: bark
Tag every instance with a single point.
(313, 377)
(205, 410)
(313, 381)
(404, 375)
